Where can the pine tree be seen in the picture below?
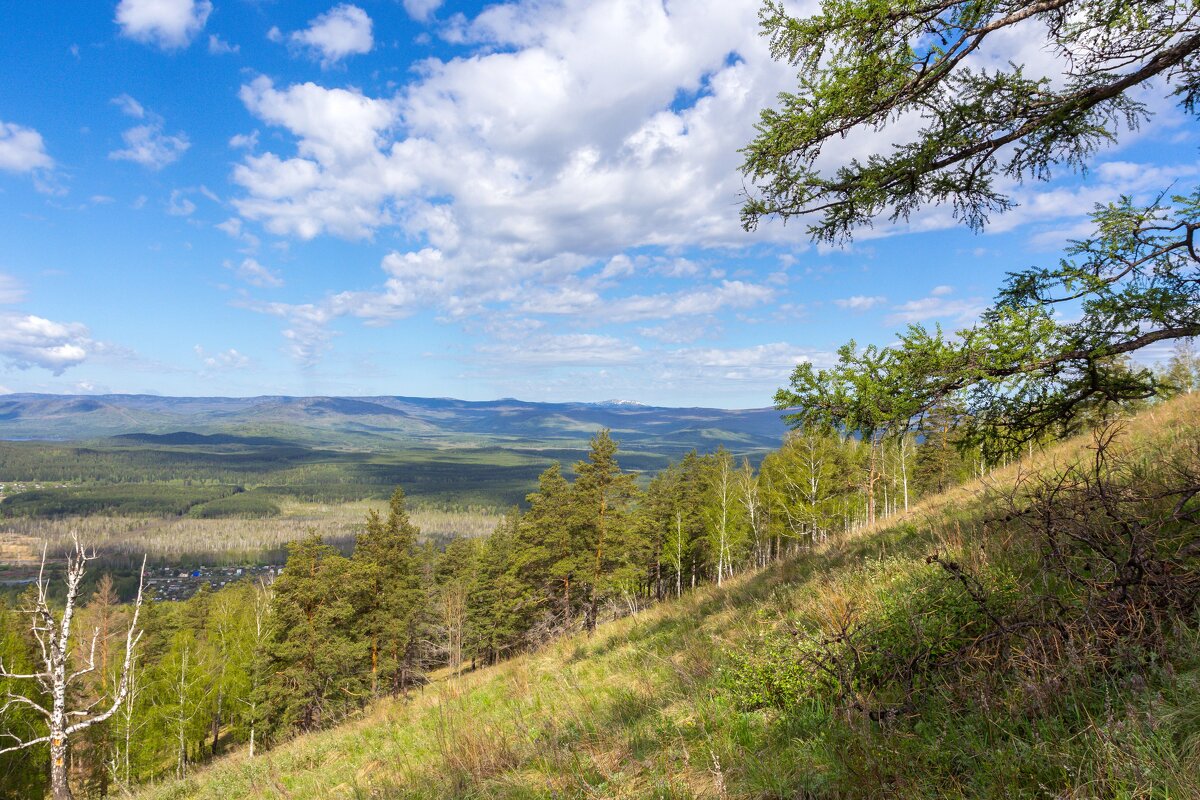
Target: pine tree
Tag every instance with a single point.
(601, 497)
(500, 605)
(939, 463)
(545, 553)
(385, 557)
(313, 656)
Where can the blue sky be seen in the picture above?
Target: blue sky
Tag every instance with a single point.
(530, 199)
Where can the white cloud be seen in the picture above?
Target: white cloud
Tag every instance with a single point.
(563, 140)
(22, 149)
(678, 332)
(344, 30)
(28, 341)
(244, 141)
(219, 47)
(256, 274)
(709, 300)
(860, 302)
(168, 24)
(129, 107)
(179, 205)
(234, 228)
(149, 146)
(558, 136)
(421, 10)
(558, 145)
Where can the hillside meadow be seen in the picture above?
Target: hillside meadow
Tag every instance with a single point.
(990, 643)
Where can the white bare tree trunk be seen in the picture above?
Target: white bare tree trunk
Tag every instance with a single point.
(53, 635)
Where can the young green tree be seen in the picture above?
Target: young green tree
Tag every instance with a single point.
(857, 395)
(726, 533)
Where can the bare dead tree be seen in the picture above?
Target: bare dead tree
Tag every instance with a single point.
(53, 635)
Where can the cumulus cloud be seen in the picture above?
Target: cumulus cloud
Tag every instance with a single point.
(235, 229)
(343, 31)
(709, 300)
(22, 149)
(179, 205)
(244, 141)
(562, 134)
(559, 144)
(29, 341)
(129, 106)
(168, 24)
(563, 139)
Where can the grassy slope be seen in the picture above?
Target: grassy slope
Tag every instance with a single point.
(646, 708)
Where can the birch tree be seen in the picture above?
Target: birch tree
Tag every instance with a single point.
(55, 676)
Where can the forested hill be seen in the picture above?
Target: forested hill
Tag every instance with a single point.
(403, 420)
(1029, 634)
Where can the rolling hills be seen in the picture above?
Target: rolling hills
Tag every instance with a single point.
(451, 453)
(378, 422)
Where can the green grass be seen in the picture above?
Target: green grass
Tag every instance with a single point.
(710, 695)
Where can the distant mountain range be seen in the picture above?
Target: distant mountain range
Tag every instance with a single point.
(382, 422)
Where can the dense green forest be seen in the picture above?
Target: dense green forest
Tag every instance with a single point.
(146, 478)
